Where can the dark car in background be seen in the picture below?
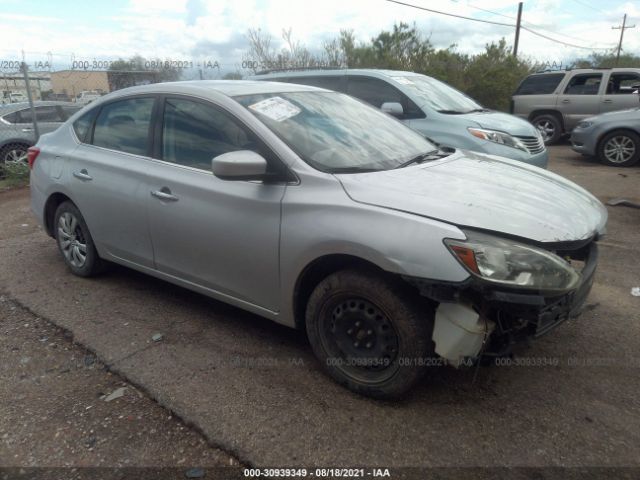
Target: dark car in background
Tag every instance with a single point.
(17, 132)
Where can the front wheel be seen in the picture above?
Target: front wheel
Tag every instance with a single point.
(369, 333)
(619, 149)
(75, 242)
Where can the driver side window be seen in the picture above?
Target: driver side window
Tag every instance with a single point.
(193, 133)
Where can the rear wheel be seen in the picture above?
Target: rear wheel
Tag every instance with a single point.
(369, 333)
(549, 127)
(619, 149)
(75, 242)
(14, 153)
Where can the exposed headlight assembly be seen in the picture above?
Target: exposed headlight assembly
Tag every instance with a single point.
(513, 264)
(498, 137)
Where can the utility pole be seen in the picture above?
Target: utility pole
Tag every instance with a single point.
(622, 29)
(517, 40)
(25, 73)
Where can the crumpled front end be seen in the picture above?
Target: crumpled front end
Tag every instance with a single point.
(476, 318)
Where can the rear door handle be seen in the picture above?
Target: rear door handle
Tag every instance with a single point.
(566, 101)
(83, 175)
(608, 101)
(164, 194)
(27, 129)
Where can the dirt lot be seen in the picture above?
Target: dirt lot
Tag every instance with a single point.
(255, 391)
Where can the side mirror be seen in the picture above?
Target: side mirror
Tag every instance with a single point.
(392, 108)
(239, 165)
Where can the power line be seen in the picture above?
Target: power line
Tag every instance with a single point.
(560, 41)
(452, 14)
(540, 27)
(585, 4)
(495, 23)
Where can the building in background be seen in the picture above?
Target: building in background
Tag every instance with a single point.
(12, 85)
(71, 83)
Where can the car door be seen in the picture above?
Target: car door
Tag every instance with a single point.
(621, 92)
(108, 176)
(581, 98)
(218, 234)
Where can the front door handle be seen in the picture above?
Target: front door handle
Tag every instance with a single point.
(27, 130)
(608, 101)
(83, 175)
(164, 194)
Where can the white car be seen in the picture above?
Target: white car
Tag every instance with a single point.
(87, 97)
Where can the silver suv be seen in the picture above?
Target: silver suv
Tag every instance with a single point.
(317, 211)
(556, 101)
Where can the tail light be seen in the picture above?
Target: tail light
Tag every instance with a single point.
(32, 154)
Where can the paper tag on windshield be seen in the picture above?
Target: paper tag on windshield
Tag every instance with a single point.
(403, 80)
(276, 108)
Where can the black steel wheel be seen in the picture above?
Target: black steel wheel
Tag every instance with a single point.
(370, 332)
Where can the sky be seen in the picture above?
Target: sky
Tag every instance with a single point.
(64, 31)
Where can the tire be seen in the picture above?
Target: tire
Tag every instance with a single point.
(369, 333)
(80, 253)
(620, 148)
(549, 126)
(14, 152)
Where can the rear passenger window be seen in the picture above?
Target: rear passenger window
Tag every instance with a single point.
(540, 84)
(82, 126)
(193, 133)
(124, 125)
(48, 114)
(584, 84)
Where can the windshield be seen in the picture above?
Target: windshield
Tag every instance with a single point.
(336, 133)
(439, 96)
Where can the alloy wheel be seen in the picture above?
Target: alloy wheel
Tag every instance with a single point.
(16, 155)
(71, 239)
(619, 149)
(546, 128)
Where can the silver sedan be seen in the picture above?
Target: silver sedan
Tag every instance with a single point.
(614, 138)
(317, 211)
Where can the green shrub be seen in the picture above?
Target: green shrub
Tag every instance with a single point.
(14, 174)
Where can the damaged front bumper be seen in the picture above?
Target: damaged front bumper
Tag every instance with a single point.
(476, 318)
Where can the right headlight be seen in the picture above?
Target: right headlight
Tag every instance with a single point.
(513, 264)
(584, 124)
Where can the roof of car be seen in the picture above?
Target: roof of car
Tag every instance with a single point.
(373, 72)
(12, 107)
(230, 88)
(588, 70)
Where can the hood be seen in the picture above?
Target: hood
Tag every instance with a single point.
(468, 189)
(618, 115)
(502, 122)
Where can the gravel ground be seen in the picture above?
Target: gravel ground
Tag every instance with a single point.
(55, 410)
(253, 388)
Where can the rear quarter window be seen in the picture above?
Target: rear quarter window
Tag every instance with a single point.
(82, 126)
(540, 84)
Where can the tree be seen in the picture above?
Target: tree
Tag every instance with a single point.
(140, 71)
(494, 75)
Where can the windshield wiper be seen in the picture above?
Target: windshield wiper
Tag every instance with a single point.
(353, 170)
(451, 112)
(423, 157)
(478, 110)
